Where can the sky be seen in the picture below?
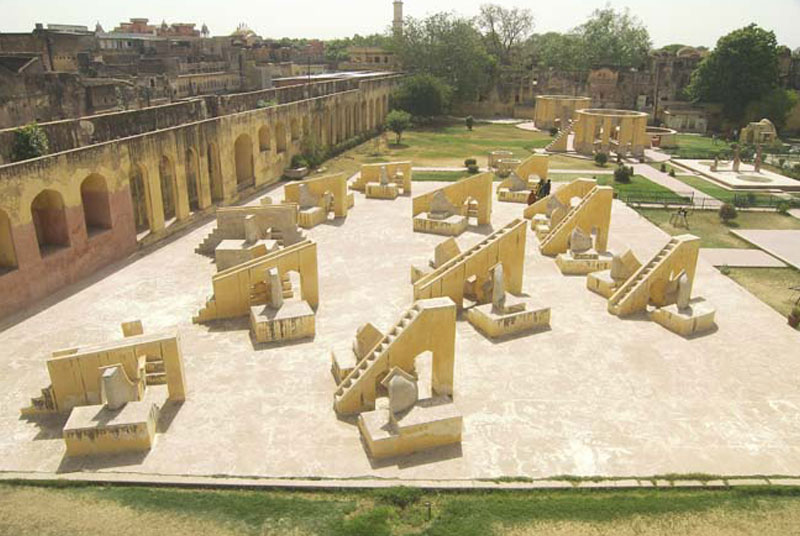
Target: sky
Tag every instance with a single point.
(691, 22)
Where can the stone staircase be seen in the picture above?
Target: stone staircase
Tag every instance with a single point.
(566, 223)
(154, 372)
(209, 243)
(559, 143)
(634, 294)
(356, 392)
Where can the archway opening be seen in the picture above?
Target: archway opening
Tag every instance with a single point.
(214, 172)
(192, 182)
(50, 222)
(96, 204)
(8, 254)
(295, 129)
(280, 138)
(168, 194)
(243, 149)
(139, 199)
(305, 126)
(263, 139)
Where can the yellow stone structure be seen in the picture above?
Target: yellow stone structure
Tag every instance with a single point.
(610, 131)
(404, 422)
(506, 315)
(113, 392)
(524, 179)
(496, 156)
(446, 210)
(272, 222)
(589, 219)
(666, 282)
(577, 188)
(467, 274)
(318, 197)
(759, 132)
(66, 214)
(384, 181)
(445, 251)
(240, 288)
(558, 110)
(605, 282)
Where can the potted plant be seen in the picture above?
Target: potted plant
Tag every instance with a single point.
(794, 316)
(298, 168)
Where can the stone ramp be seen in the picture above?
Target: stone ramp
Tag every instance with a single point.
(783, 244)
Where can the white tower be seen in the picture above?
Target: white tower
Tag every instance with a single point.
(397, 23)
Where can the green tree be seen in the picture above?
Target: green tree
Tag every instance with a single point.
(743, 68)
(422, 95)
(504, 29)
(563, 52)
(448, 47)
(30, 141)
(775, 106)
(612, 37)
(398, 122)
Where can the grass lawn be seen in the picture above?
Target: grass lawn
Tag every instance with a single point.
(446, 146)
(562, 161)
(90, 510)
(715, 234)
(770, 285)
(694, 146)
(444, 176)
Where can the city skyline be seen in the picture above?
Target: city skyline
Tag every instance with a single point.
(682, 21)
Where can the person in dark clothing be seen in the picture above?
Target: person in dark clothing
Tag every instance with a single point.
(548, 185)
(532, 197)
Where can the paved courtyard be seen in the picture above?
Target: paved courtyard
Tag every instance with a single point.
(783, 244)
(594, 395)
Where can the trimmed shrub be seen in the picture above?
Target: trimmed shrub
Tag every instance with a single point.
(473, 169)
(470, 162)
(671, 172)
(727, 212)
(600, 159)
(663, 168)
(299, 161)
(623, 174)
(470, 121)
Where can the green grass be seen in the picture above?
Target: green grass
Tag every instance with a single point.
(715, 234)
(696, 147)
(770, 285)
(397, 511)
(443, 176)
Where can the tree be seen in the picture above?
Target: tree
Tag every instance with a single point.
(398, 122)
(504, 29)
(600, 159)
(741, 69)
(30, 141)
(775, 106)
(448, 47)
(422, 95)
(614, 38)
(563, 52)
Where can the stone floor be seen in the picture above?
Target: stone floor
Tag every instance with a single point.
(740, 258)
(594, 395)
(782, 243)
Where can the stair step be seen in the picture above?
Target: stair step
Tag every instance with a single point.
(156, 378)
(154, 366)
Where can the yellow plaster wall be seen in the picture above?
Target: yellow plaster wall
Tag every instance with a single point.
(477, 187)
(335, 184)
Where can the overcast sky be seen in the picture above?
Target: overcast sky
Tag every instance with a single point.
(694, 22)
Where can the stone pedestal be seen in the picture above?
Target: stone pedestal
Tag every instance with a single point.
(433, 422)
(99, 430)
(602, 283)
(308, 218)
(450, 226)
(292, 320)
(382, 191)
(494, 324)
(509, 196)
(583, 263)
(698, 317)
(232, 252)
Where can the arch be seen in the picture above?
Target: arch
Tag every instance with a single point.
(50, 222)
(192, 182)
(96, 204)
(280, 137)
(317, 129)
(243, 152)
(166, 174)
(306, 131)
(140, 198)
(8, 253)
(371, 114)
(295, 129)
(264, 138)
(363, 125)
(214, 172)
